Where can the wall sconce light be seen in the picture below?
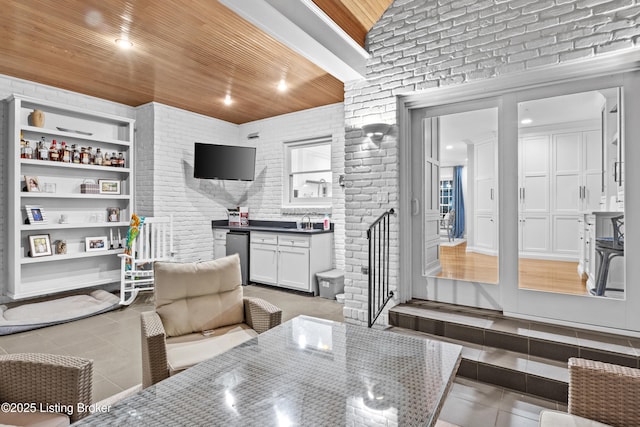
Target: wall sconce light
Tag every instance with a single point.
(341, 180)
(376, 131)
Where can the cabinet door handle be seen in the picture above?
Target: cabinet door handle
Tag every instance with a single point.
(492, 194)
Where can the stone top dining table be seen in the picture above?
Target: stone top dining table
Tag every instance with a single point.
(305, 372)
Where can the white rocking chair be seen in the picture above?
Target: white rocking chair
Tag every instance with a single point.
(153, 243)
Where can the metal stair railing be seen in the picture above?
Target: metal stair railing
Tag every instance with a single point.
(378, 269)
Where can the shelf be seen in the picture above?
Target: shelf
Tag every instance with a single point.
(48, 163)
(55, 132)
(29, 195)
(44, 287)
(29, 260)
(54, 226)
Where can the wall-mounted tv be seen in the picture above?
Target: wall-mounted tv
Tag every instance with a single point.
(230, 162)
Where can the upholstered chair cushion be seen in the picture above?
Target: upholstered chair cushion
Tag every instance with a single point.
(199, 296)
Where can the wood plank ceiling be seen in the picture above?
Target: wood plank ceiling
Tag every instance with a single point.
(187, 54)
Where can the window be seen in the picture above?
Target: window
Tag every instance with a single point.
(446, 199)
(308, 178)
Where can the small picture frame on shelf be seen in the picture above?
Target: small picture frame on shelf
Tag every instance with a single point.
(98, 243)
(108, 186)
(35, 214)
(113, 214)
(39, 245)
(32, 183)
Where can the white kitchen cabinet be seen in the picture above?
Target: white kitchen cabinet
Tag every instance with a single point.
(289, 260)
(485, 226)
(263, 263)
(219, 243)
(559, 178)
(70, 215)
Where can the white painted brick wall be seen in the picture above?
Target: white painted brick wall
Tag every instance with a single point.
(421, 44)
(194, 202)
(10, 85)
(265, 202)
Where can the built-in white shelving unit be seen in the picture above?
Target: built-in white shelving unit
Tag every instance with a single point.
(69, 214)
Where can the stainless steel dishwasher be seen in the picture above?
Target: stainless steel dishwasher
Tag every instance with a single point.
(238, 243)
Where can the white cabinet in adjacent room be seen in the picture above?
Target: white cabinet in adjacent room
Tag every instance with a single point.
(560, 177)
(485, 225)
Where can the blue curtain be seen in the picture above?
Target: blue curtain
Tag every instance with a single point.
(458, 203)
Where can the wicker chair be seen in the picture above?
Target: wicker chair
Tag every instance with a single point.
(45, 380)
(200, 312)
(600, 392)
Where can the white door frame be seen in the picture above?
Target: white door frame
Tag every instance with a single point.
(599, 313)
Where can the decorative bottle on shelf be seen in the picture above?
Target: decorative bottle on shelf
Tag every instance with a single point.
(43, 151)
(65, 154)
(121, 160)
(27, 151)
(85, 157)
(98, 159)
(107, 160)
(92, 156)
(76, 154)
(54, 155)
(114, 159)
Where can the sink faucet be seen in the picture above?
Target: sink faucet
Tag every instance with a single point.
(307, 225)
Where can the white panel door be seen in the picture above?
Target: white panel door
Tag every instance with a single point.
(293, 268)
(535, 233)
(566, 235)
(592, 151)
(534, 155)
(485, 232)
(263, 263)
(592, 183)
(535, 194)
(566, 152)
(566, 193)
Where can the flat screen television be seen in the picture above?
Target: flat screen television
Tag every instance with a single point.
(229, 162)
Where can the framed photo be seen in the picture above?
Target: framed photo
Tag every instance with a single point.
(113, 214)
(108, 186)
(39, 245)
(32, 183)
(35, 214)
(96, 243)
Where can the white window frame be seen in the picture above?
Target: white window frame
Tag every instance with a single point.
(287, 194)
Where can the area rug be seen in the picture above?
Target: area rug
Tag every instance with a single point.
(454, 242)
(62, 310)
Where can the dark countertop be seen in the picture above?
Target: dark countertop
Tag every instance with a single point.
(270, 226)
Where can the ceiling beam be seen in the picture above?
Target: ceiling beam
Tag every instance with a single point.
(306, 29)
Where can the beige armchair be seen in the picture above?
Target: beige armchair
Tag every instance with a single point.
(54, 386)
(599, 394)
(200, 312)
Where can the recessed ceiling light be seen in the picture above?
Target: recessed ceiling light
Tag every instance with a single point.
(526, 121)
(124, 43)
(449, 147)
(227, 100)
(282, 86)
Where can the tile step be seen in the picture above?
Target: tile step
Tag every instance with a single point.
(533, 339)
(537, 376)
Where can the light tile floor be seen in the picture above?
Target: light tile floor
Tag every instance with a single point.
(112, 340)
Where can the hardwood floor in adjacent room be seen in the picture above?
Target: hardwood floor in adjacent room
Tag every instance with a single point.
(536, 274)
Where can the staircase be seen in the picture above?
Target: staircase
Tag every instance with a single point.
(525, 356)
